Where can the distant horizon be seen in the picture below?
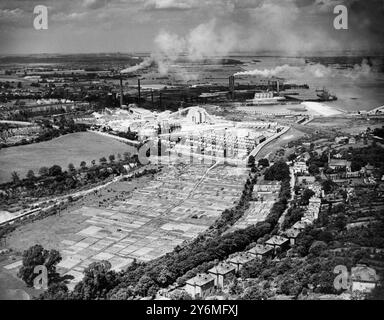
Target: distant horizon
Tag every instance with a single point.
(266, 53)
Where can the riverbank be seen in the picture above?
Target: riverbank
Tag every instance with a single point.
(321, 109)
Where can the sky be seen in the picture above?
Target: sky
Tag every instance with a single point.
(198, 27)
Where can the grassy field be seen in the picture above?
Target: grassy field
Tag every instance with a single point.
(71, 148)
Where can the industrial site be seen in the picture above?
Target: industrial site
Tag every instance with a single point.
(195, 170)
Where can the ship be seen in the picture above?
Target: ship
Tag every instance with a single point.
(325, 95)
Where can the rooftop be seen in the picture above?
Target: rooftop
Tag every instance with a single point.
(276, 240)
(364, 274)
(222, 268)
(241, 258)
(260, 249)
(200, 280)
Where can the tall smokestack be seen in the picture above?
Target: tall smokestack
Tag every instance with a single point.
(278, 86)
(139, 90)
(232, 86)
(121, 92)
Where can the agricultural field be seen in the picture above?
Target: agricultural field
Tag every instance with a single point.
(140, 219)
(70, 148)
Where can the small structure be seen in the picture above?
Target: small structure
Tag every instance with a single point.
(200, 286)
(292, 235)
(221, 273)
(300, 167)
(278, 242)
(261, 251)
(239, 260)
(364, 279)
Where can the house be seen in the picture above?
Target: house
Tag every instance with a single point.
(352, 140)
(336, 164)
(292, 235)
(261, 251)
(200, 286)
(278, 242)
(312, 212)
(364, 279)
(221, 273)
(301, 225)
(239, 260)
(300, 167)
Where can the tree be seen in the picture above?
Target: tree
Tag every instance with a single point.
(328, 186)
(292, 157)
(264, 162)
(43, 171)
(279, 171)
(103, 160)
(30, 175)
(71, 168)
(83, 165)
(306, 195)
(251, 161)
(111, 158)
(36, 256)
(93, 162)
(144, 286)
(56, 291)
(313, 169)
(98, 280)
(317, 247)
(55, 170)
(180, 295)
(127, 156)
(15, 177)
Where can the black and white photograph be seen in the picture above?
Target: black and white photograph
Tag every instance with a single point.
(192, 157)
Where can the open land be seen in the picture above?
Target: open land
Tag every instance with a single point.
(71, 148)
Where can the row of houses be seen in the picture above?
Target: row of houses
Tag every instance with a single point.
(203, 285)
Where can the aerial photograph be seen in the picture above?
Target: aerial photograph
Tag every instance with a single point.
(215, 151)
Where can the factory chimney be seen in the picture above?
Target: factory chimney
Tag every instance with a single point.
(232, 86)
(278, 86)
(139, 90)
(121, 92)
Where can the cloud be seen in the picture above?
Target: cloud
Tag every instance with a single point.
(95, 4)
(169, 5)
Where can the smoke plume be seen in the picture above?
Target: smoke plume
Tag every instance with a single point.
(145, 64)
(313, 70)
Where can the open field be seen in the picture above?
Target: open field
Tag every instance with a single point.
(345, 124)
(140, 219)
(71, 148)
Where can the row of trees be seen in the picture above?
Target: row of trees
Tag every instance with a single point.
(54, 180)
